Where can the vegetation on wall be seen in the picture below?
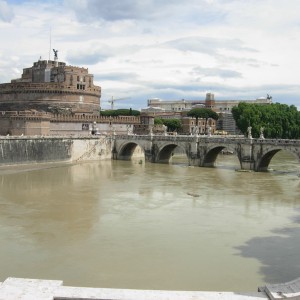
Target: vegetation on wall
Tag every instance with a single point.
(172, 124)
(277, 120)
(119, 112)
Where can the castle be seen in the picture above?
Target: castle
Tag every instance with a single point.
(51, 86)
(52, 98)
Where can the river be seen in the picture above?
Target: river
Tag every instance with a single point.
(131, 224)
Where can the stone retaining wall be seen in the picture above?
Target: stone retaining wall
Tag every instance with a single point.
(14, 150)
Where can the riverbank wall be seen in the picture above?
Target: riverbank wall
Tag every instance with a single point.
(38, 149)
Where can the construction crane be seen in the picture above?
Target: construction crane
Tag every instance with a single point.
(112, 101)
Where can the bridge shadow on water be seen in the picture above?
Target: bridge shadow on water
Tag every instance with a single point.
(226, 162)
(279, 254)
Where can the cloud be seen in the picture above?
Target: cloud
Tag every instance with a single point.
(96, 52)
(6, 12)
(201, 11)
(166, 49)
(223, 73)
(87, 58)
(207, 45)
(95, 10)
(116, 76)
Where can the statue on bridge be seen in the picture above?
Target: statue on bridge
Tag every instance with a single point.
(209, 131)
(195, 130)
(129, 130)
(151, 131)
(261, 133)
(165, 130)
(249, 132)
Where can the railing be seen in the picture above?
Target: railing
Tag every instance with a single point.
(211, 139)
(72, 118)
(96, 118)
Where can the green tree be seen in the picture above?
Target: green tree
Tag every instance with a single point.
(203, 113)
(172, 124)
(158, 121)
(120, 112)
(278, 120)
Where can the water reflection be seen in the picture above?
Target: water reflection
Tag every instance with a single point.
(278, 254)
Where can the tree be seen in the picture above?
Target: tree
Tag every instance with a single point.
(120, 112)
(158, 121)
(203, 113)
(172, 124)
(278, 120)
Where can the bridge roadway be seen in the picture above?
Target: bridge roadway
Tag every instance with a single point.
(202, 151)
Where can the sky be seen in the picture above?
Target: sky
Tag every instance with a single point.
(172, 50)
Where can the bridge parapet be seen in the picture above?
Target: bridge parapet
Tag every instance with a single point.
(157, 137)
(276, 142)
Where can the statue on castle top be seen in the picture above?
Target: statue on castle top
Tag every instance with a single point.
(55, 54)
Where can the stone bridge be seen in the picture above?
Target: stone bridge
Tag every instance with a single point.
(202, 151)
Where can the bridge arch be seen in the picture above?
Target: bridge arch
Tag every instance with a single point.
(127, 149)
(165, 153)
(210, 157)
(264, 162)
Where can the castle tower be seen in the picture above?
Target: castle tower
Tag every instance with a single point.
(51, 86)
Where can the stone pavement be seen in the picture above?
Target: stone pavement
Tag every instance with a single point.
(37, 289)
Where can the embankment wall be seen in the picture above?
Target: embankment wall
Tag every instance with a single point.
(14, 150)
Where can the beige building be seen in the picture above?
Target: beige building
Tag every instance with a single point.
(51, 86)
(41, 123)
(189, 126)
(222, 107)
(209, 102)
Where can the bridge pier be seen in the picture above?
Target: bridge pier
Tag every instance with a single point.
(247, 164)
(247, 156)
(193, 154)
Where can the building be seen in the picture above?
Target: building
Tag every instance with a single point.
(189, 126)
(29, 123)
(209, 102)
(51, 86)
(222, 107)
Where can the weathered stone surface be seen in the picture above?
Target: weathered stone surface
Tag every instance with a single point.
(288, 290)
(14, 150)
(25, 289)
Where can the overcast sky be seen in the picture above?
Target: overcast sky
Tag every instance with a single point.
(174, 49)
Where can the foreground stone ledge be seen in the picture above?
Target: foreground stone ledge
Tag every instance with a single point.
(31, 289)
(288, 290)
(25, 289)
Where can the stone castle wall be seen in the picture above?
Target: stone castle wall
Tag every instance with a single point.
(45, 96)
(17, 123)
